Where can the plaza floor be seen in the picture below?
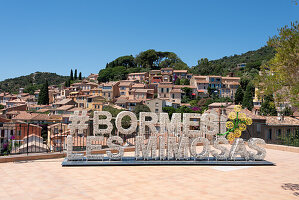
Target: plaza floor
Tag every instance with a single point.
(46, 179)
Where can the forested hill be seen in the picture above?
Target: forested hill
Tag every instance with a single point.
(31, 82)
(226, 65)
(152, 59)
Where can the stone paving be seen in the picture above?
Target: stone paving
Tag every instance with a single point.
(46, 179)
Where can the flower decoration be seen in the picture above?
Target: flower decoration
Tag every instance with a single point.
(229, 125)
(237, 124)
(237, 108)
(248, 121)
(232, 115)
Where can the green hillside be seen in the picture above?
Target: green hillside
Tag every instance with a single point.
(31, 82)
(226, 65)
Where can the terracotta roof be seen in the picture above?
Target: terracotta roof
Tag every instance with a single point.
(176, 91)
(121, 100)
(124, 83)
(139, 73)
(141, 90)
(183, 86)
(180, 71)
(111, 83)
(65, 107)
(164, 85)
(23, 115)
(138, 85)
(202, 81)
(231, 78)
(200, 77)
(40, 117)
(246, 111)
(62, 102)
(276, 121)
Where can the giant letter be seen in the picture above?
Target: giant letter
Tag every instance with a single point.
(133, 123)
(117, 147)
(206, 148)
(187, 123)
(150, 124)
(261, 152)
(97, 122)
(148, 150)
(224, 151)
(90, 147)
(173, 126)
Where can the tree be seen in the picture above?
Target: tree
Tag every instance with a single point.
(248, 97)
(71, 75)
(280, 75)
(80, 76)
(2, 106)
(239, 95)
(141, 108)
(177, 81)
(75, 76)
(43, 97)
(268, 106)
(184, 81)
(169, 110)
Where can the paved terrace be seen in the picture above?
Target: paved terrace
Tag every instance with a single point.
(46, 179)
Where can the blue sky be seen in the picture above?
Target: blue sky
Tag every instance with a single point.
(55, 36)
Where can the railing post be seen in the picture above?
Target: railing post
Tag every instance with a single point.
(27, 136)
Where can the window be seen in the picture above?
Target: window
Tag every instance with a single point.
(212, 79)
(173, 96)
(156, 110)
(167, 90)
(122, 93)
(162, 89)
(157, 104)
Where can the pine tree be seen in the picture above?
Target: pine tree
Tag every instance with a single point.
(239, 95)
(80, 76)
(71, 75)
(75, 77)
(43, 97)
(248, 97)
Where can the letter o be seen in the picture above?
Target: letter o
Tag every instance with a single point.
(133, 123)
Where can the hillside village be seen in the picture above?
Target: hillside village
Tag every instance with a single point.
(156, 89)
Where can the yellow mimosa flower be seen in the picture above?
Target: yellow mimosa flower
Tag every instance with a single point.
(237, 108)
(242, 127)
(237, 132)
(229, 125)
(232, 115)
(248, 121)
(231, 137)
(242, 116)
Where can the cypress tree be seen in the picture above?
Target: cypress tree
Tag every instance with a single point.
(248, 97)
(239, 95)
(71, 75)
(75, 77)
(43, 97)
(80, 76)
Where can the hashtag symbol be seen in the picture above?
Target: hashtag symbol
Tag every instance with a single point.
(78, 124)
